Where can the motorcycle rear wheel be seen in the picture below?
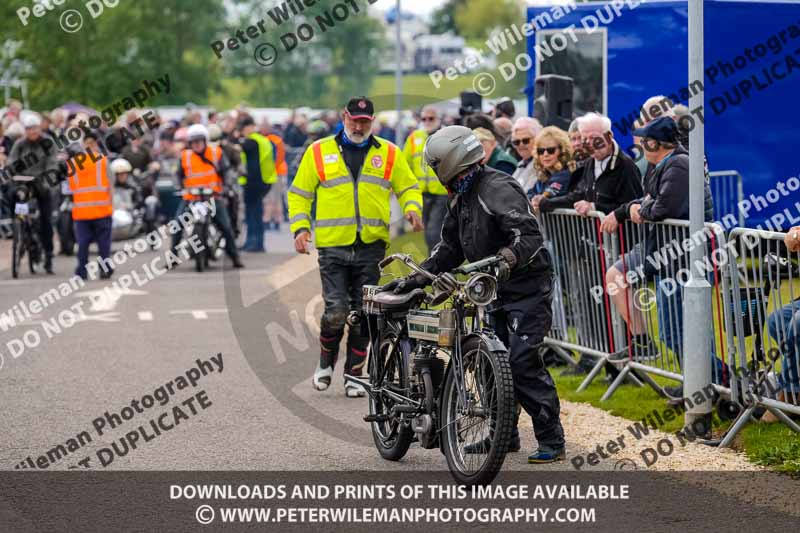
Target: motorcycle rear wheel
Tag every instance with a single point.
(488, 418)
(392, 436)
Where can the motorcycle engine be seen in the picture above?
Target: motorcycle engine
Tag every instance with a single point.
(425, 361)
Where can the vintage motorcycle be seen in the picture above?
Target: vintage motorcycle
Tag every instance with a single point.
(25, 239)
(438, 375)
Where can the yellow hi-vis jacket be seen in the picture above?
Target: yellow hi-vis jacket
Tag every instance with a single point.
(428, 181)
(266, 160)
(344, 206)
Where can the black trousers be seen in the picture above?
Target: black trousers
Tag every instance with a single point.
(522, 325)
(344, 270)
(434, 208)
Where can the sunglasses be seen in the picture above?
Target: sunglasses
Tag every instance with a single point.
(526, 141)
(428, 119)
(551, 150)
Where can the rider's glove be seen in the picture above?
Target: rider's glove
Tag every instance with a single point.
(445, 283)
(407, 284)
(505, 266)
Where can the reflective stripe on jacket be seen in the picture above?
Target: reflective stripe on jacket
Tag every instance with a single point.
(280, 154)
(413, 148)
(91, 190)
(344, 206)
(198, 173)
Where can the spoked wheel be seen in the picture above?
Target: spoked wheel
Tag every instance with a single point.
(201, 257)
(35, 250)
(17, 248)
(392, 437)
(481, 421)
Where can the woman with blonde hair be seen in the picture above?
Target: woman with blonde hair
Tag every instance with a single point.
(554, 163)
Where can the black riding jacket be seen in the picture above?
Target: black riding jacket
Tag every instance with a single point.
(493, 214)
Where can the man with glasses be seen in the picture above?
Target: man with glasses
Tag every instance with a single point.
(434, 195)
(666, 195)
(522, 137)
(611, 179)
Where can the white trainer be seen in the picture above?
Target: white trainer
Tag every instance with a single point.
(322, 378)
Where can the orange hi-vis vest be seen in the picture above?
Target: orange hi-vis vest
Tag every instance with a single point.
(198, 173)
(91, 190)
(280, 155)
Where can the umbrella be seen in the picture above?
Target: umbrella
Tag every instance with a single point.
(74, 108)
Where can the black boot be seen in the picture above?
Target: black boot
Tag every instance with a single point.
(48, 264)
(329, 353)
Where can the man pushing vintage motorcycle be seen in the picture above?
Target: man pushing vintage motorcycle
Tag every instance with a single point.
(488, 214)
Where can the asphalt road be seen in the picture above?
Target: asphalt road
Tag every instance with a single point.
(264, 413)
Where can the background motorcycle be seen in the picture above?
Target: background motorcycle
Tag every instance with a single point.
(410, 392)
(146, 181)
(25, 239)
(127, 219)
(201, 207)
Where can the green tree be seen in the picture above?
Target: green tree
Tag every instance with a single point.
(108, 58)
(336, 63)
(475, 19)
(443, 19)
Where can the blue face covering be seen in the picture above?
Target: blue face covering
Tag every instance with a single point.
(464, 184)
(348, 142)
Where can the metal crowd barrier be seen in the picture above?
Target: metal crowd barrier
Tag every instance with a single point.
(654, 266)
(764, 341)
(728, 193)
(583, 321)
(755, 351)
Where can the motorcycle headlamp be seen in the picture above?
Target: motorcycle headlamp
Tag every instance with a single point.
(481, 289)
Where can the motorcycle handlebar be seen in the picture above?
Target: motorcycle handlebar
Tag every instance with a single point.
(478, 265)
(465, 269)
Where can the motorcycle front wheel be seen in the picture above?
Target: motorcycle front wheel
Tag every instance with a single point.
(200, 257)
(479, 419)
(17, 249)
(392, 436)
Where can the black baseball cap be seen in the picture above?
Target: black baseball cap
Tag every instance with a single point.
(247, 120)
(662, 129)
(360, 107)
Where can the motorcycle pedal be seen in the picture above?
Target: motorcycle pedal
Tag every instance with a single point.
(376, 418)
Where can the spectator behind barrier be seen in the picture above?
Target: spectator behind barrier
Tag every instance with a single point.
(609, 179)
(581, 155)
(495, 157)
(554, 164)
(666, 195)
(503, 127)
(523, 137)
(783, 326)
